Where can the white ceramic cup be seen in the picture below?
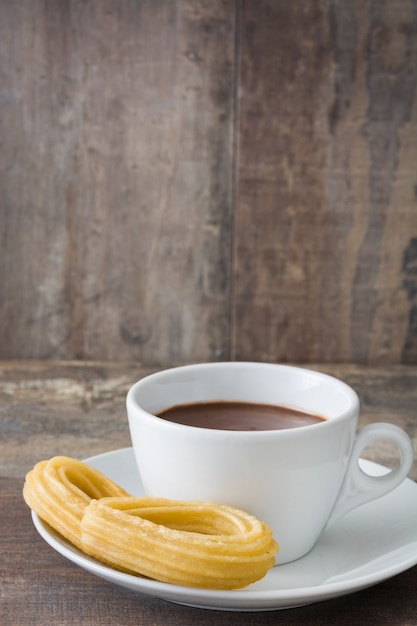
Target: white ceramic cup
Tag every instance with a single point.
(298, 480)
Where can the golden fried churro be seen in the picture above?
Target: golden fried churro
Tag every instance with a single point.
(60, 489)
(186, 543)
(198, 544)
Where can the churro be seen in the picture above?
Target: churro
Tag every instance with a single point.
(60, 489)
(197, 544)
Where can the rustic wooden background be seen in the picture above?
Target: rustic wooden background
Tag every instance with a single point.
(185, 180)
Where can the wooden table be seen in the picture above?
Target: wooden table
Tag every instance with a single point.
(77, 409)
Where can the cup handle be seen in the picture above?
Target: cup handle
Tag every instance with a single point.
(358, 486)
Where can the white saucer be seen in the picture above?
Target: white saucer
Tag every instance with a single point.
(376, 541)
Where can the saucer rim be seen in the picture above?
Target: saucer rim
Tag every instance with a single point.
(236, 600)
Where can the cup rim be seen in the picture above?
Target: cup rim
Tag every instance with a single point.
(131, 402)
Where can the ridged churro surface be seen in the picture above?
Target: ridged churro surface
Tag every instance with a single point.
(197, 544)
(60, 489)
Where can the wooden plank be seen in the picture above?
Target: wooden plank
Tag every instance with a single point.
(116, 123)
(72, 408)
(121, 233)
(326, 225)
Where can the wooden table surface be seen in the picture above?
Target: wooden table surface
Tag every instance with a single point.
(77, 409)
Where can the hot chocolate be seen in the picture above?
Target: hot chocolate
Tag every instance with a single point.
(245, 416)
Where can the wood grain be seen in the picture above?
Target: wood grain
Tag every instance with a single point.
(116, 169)
(326, 213)
(195, 180)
